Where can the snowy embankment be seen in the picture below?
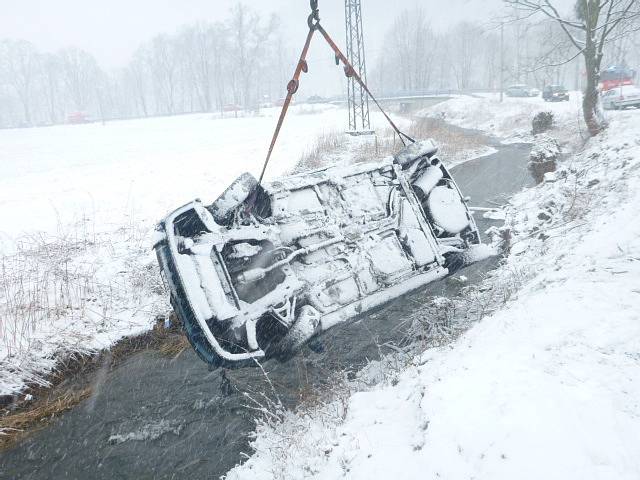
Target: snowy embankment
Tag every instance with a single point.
(510, 120)
(78, 205)
(547, 386)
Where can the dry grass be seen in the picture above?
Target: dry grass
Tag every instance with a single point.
(39, 285)
(60, 293)
(453, 142)
(173, 345)
(168, 341)
(444, 319)
(322, 151)
(18, 423)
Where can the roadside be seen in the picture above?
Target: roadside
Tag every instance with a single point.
(544, 387)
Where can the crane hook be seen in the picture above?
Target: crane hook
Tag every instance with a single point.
(314, 17)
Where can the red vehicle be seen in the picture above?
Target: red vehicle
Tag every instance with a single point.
(616, 76)
(76, 118)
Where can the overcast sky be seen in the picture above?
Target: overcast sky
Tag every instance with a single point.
(112, 29)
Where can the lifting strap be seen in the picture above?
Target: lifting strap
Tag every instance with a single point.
(313, 21)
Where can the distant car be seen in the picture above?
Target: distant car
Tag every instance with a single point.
(316, 99)
(621, 97)
(521, 91)
(265, 268)
(77, 118)
(231, 107)
(555, 93)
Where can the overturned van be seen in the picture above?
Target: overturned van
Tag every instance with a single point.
(265, 268)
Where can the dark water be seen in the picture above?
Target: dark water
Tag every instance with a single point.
(162, 418)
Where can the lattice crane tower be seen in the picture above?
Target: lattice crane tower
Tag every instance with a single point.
(358, 99)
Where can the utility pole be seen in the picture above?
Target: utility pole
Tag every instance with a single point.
(357, 99)
(501, 61)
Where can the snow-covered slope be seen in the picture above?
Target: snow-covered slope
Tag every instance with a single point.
(546, 387)
(511, 118)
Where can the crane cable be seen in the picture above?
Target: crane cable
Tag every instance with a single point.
(313, 21)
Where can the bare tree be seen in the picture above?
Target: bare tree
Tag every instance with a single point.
(51, 79)
(18, 60)
(163, 66)
(548, 62)
(625, 50)
(593, 24)
(409, 50)
(137, 77)
(198, 43)
(80, 73)
(247, 45)
(465, 40)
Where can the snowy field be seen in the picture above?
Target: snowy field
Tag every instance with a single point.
(134, 171)
(545, 387)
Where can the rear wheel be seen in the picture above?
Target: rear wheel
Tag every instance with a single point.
(235, 195)
(304, 328)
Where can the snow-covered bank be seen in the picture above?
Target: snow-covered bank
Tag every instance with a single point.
(546, 387)
(510, 119)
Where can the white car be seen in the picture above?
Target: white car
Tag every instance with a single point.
(266, 267)
(621, 97)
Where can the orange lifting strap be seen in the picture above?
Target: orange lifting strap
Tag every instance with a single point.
(292, 87)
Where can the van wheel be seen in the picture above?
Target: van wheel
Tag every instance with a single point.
(235, 195)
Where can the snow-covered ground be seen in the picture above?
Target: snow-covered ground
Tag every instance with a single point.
(547, 386)
(510, 119)
(78, 205)
(135, 170)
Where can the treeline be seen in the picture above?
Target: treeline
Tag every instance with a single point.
(202, 68)
(471, 56)
(242, 62)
